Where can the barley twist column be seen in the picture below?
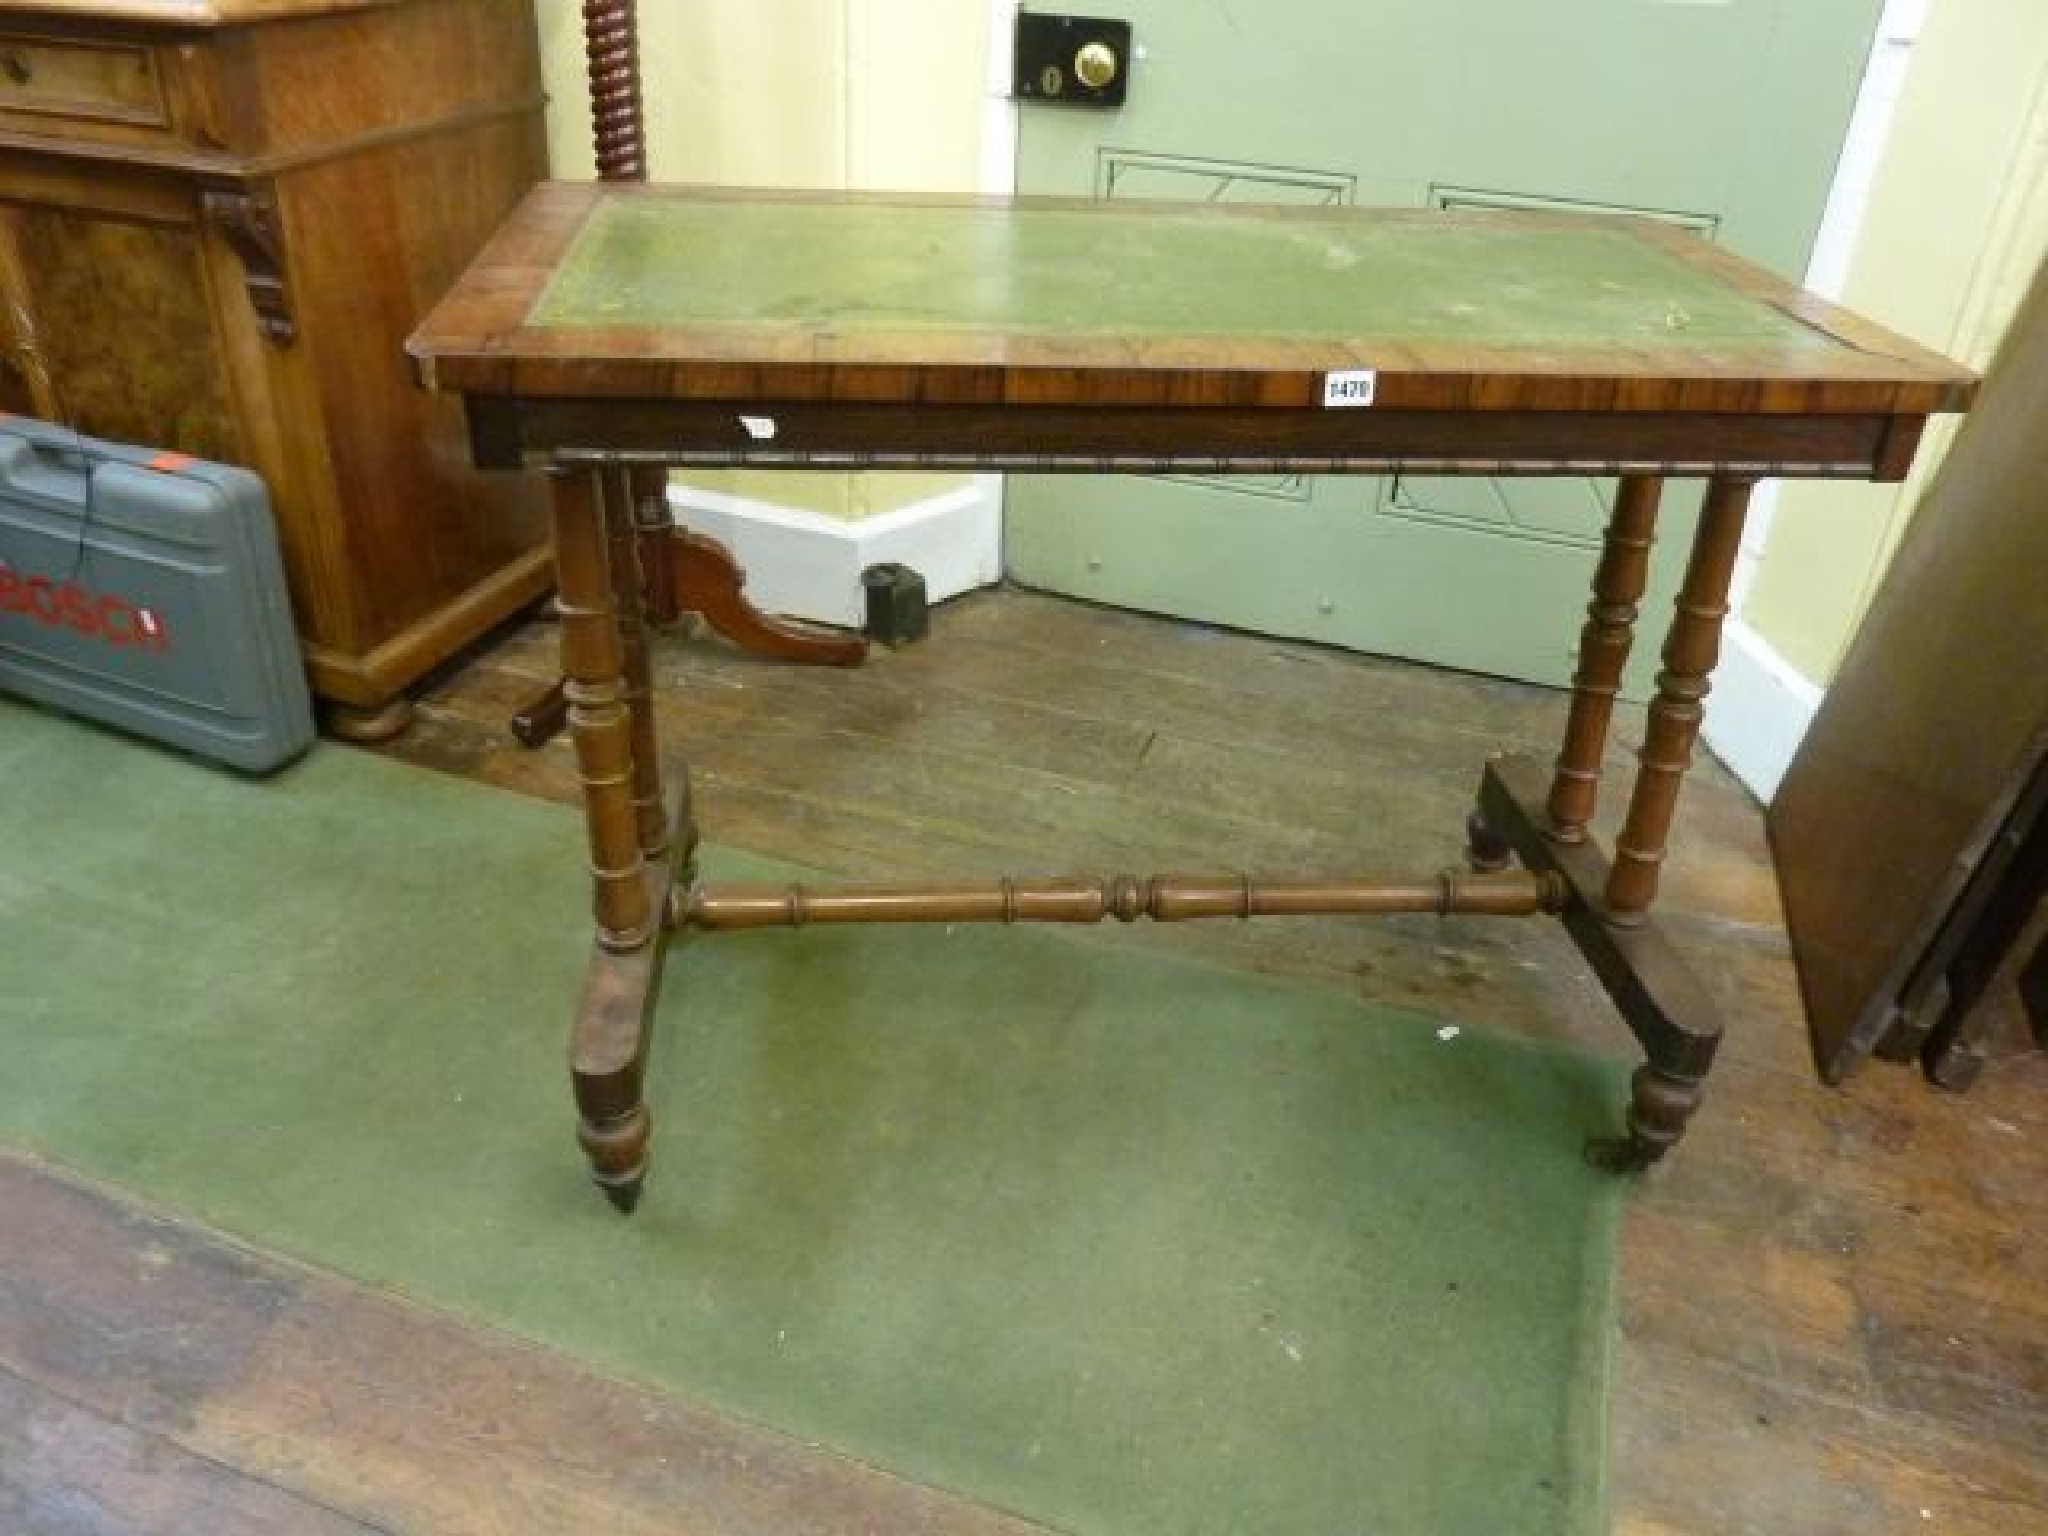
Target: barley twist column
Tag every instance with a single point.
(611, 45)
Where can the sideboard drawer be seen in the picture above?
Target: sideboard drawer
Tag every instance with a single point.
(81, 81)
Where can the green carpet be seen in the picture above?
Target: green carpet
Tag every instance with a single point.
(1121, 1243)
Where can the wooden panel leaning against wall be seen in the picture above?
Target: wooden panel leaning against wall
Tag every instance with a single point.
(1917, 795)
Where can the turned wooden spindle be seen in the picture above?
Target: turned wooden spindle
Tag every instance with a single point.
(599, 721)
(1604, 646)
(1690, 651)
(661, 605)
(622, 537)
(611, 45)
(1126, 898)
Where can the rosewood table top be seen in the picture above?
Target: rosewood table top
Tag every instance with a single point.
(694, 294)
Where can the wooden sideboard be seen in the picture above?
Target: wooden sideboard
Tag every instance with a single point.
(219, 220)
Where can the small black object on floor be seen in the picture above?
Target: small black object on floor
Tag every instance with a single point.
(897, 613)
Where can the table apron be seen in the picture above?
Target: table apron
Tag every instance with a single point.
(507, 432)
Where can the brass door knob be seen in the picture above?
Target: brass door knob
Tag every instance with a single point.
(1095, 65)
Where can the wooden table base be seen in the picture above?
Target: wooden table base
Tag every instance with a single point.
(1660, 1000)
(644, 891)
(1662, 1003)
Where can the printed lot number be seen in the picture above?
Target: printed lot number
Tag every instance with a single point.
(1350, 388)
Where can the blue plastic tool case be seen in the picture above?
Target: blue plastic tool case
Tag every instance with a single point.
(145, 590)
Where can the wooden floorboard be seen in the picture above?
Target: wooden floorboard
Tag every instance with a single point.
(156, 1378)
(69, 1470)
(1834, 1302)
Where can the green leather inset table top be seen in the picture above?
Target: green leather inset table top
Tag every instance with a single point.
(671, 295)
(1133, 271)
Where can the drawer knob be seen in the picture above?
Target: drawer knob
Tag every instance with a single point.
(15, 65)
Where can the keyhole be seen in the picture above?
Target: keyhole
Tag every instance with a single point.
(16, 65)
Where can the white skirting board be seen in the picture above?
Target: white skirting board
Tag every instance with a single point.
(808, 566)
(1759, 710)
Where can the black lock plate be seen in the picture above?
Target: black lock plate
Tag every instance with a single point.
(1064, 58)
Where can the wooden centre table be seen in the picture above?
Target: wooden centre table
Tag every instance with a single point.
(608, 328)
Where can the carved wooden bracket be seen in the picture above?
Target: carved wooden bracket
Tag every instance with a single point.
(248, 222)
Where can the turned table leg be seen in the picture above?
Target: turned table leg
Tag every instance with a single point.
(608, 1049)
(1541, 815)
(636, 667)
(1690, 652)
(600, 721)
(1604, 646)
(1667, 1089)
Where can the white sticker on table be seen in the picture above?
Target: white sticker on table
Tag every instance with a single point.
(1350, 387)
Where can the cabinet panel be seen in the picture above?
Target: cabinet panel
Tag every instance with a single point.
(358, 289)
(118, 314)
